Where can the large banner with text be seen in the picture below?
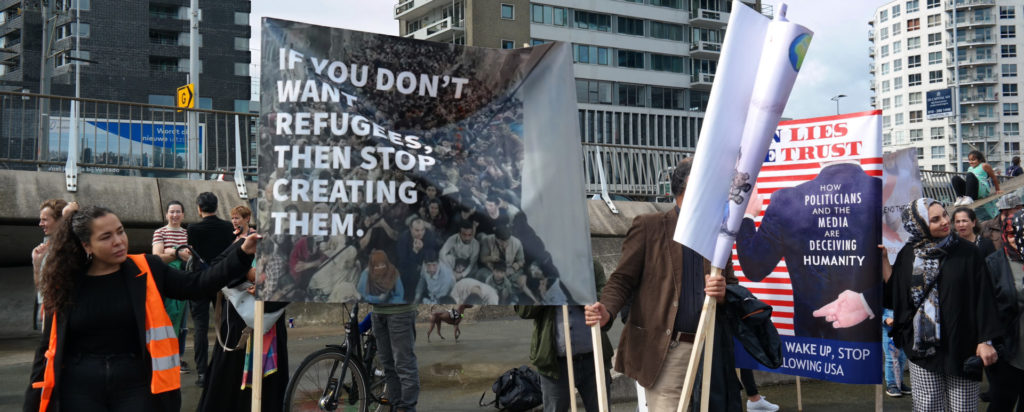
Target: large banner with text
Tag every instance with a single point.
(396, 171)
(808, 247)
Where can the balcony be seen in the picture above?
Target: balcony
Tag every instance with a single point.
(441, 29)
(973, 118)
(702, 81)
(973, 41)
(978, 137)
(972, 79)
(409, 10)
(971, 61)
(966, 23)
(974, 98)
(708, 18)
(705, 50)
(969, 4)
(871, 68)
(871, 51)
(871, 35)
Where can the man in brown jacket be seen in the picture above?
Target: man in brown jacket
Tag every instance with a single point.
(666, 283)
(993, 229)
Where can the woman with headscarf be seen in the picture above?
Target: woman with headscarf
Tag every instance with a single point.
(940, 293)
(379, 283)
(1006, 377)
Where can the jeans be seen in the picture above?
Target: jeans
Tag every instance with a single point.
(556, 391)
(396, 335)
(200, 311)
(106, 383)
(895, 359)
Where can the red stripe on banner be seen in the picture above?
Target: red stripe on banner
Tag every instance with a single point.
(794, 166)
(788, 315)
(777, 281)
(787, 178)
(778, 303)
(830, 118)
(770, 291)
(784, 326)
(871, 161)
(778, 269)
(877, 173)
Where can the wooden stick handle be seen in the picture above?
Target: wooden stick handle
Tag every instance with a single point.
(257, 358)
(602, 390)
(700, 343)
(568, 357)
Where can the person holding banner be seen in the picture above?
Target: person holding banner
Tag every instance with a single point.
(941, 295)
(666, 283)
(1006, 377)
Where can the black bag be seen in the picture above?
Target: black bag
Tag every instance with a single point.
(192, 265)
(516, 390)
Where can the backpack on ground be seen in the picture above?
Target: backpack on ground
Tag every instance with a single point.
(517, 389)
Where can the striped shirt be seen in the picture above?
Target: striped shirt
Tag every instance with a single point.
(170, 236)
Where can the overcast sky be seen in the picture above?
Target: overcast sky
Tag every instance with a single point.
(836, 63)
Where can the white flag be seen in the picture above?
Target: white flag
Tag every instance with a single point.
(759, 63)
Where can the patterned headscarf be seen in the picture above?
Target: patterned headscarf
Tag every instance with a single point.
(1013, 227)
(928, 252)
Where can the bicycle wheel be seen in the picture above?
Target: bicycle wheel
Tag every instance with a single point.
(312, 386)
(378, 387)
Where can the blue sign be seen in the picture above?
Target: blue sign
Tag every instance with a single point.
(823, 359)
(939, 103)
(168, 136)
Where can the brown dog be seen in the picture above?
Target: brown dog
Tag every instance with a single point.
(452, 317)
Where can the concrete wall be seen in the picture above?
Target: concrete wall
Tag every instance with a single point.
(486, 28)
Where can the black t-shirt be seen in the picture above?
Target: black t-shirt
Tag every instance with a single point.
(211, 236)
(102, 320)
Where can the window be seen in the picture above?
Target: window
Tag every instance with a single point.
(897, 28)
(886, 139)
(914, 98)
(934, 3)
(885, 68)
(163, 37)
(65, 57)
(883, 16)
(163, 64)
(913, 24)
(935, 58)
(241, 69)
(535, 42)
(897, 83)
(632, 94)
(666, 63)
(937, 133)
(1007, 12)
(542, 14)
(897, 119)
(1011, 109)
(592, 21)
(65, 31)
(242, 43)
(241, 18)
(1012, 129)
(675, 4)
(915, 117)
(1009, 89)
(667, 31)
(885, 50)
(593, 91)
(1008, 50)
(885, 103)
(885, 86)
(895, 11)
(627, 25)
(912, 6)
(886, 122)
(70, 5)
(914, 43)
(1011, 147)
(897, 47)
(1009, 70)
(897, 65)
(629, 58)
(508, 11)
(913, 61)
(667, 98)
(508, 44)
(934, 76)
(589, 54)
(938, 152)
(1007, 32)
(934, 20)
(884, 33)
(934, 39)
(914, 80)
(897, 101)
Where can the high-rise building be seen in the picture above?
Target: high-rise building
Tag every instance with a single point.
(139, 50)
(920, 46)
(643, 68)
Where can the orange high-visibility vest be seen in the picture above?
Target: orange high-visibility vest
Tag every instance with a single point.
(161, 342)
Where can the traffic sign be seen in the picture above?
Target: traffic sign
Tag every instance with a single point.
(186, 96)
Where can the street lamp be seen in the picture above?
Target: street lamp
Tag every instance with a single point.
(836, 99)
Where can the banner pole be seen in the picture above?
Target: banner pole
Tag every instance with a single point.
(878, 398)
(602, 390)
(257, 358)
(568, 357)
(700, 342)
(799, 396)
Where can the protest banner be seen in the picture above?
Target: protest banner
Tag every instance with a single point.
(810, 247)
(393, 170)
(901, 184)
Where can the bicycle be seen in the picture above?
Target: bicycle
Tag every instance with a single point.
(342, 377)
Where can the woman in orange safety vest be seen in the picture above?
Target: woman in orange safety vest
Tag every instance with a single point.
(108, 344)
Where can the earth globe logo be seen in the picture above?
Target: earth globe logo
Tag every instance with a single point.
(798, 49)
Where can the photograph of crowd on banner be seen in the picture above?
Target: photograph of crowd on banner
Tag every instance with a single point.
(397, 171)
(809, 247)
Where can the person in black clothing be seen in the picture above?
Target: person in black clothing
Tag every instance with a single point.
(1015, 170)
(102, 306)
(210, 236)
(1006, 377)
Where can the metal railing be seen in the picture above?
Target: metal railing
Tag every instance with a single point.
(120, 138)
(628, 170)
(939, 185)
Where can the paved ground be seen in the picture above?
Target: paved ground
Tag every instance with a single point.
(454, 375)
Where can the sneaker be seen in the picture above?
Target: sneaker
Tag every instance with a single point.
(893, 391)
(201, 380)
(185, 368)
(967, 201)
(762, 405)
(905, 389)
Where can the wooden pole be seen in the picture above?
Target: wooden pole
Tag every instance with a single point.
(568, 357)
(878, 398)
(257, 358)
(702, 341)
(799, 396)
(602, 390)
(709, 350)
